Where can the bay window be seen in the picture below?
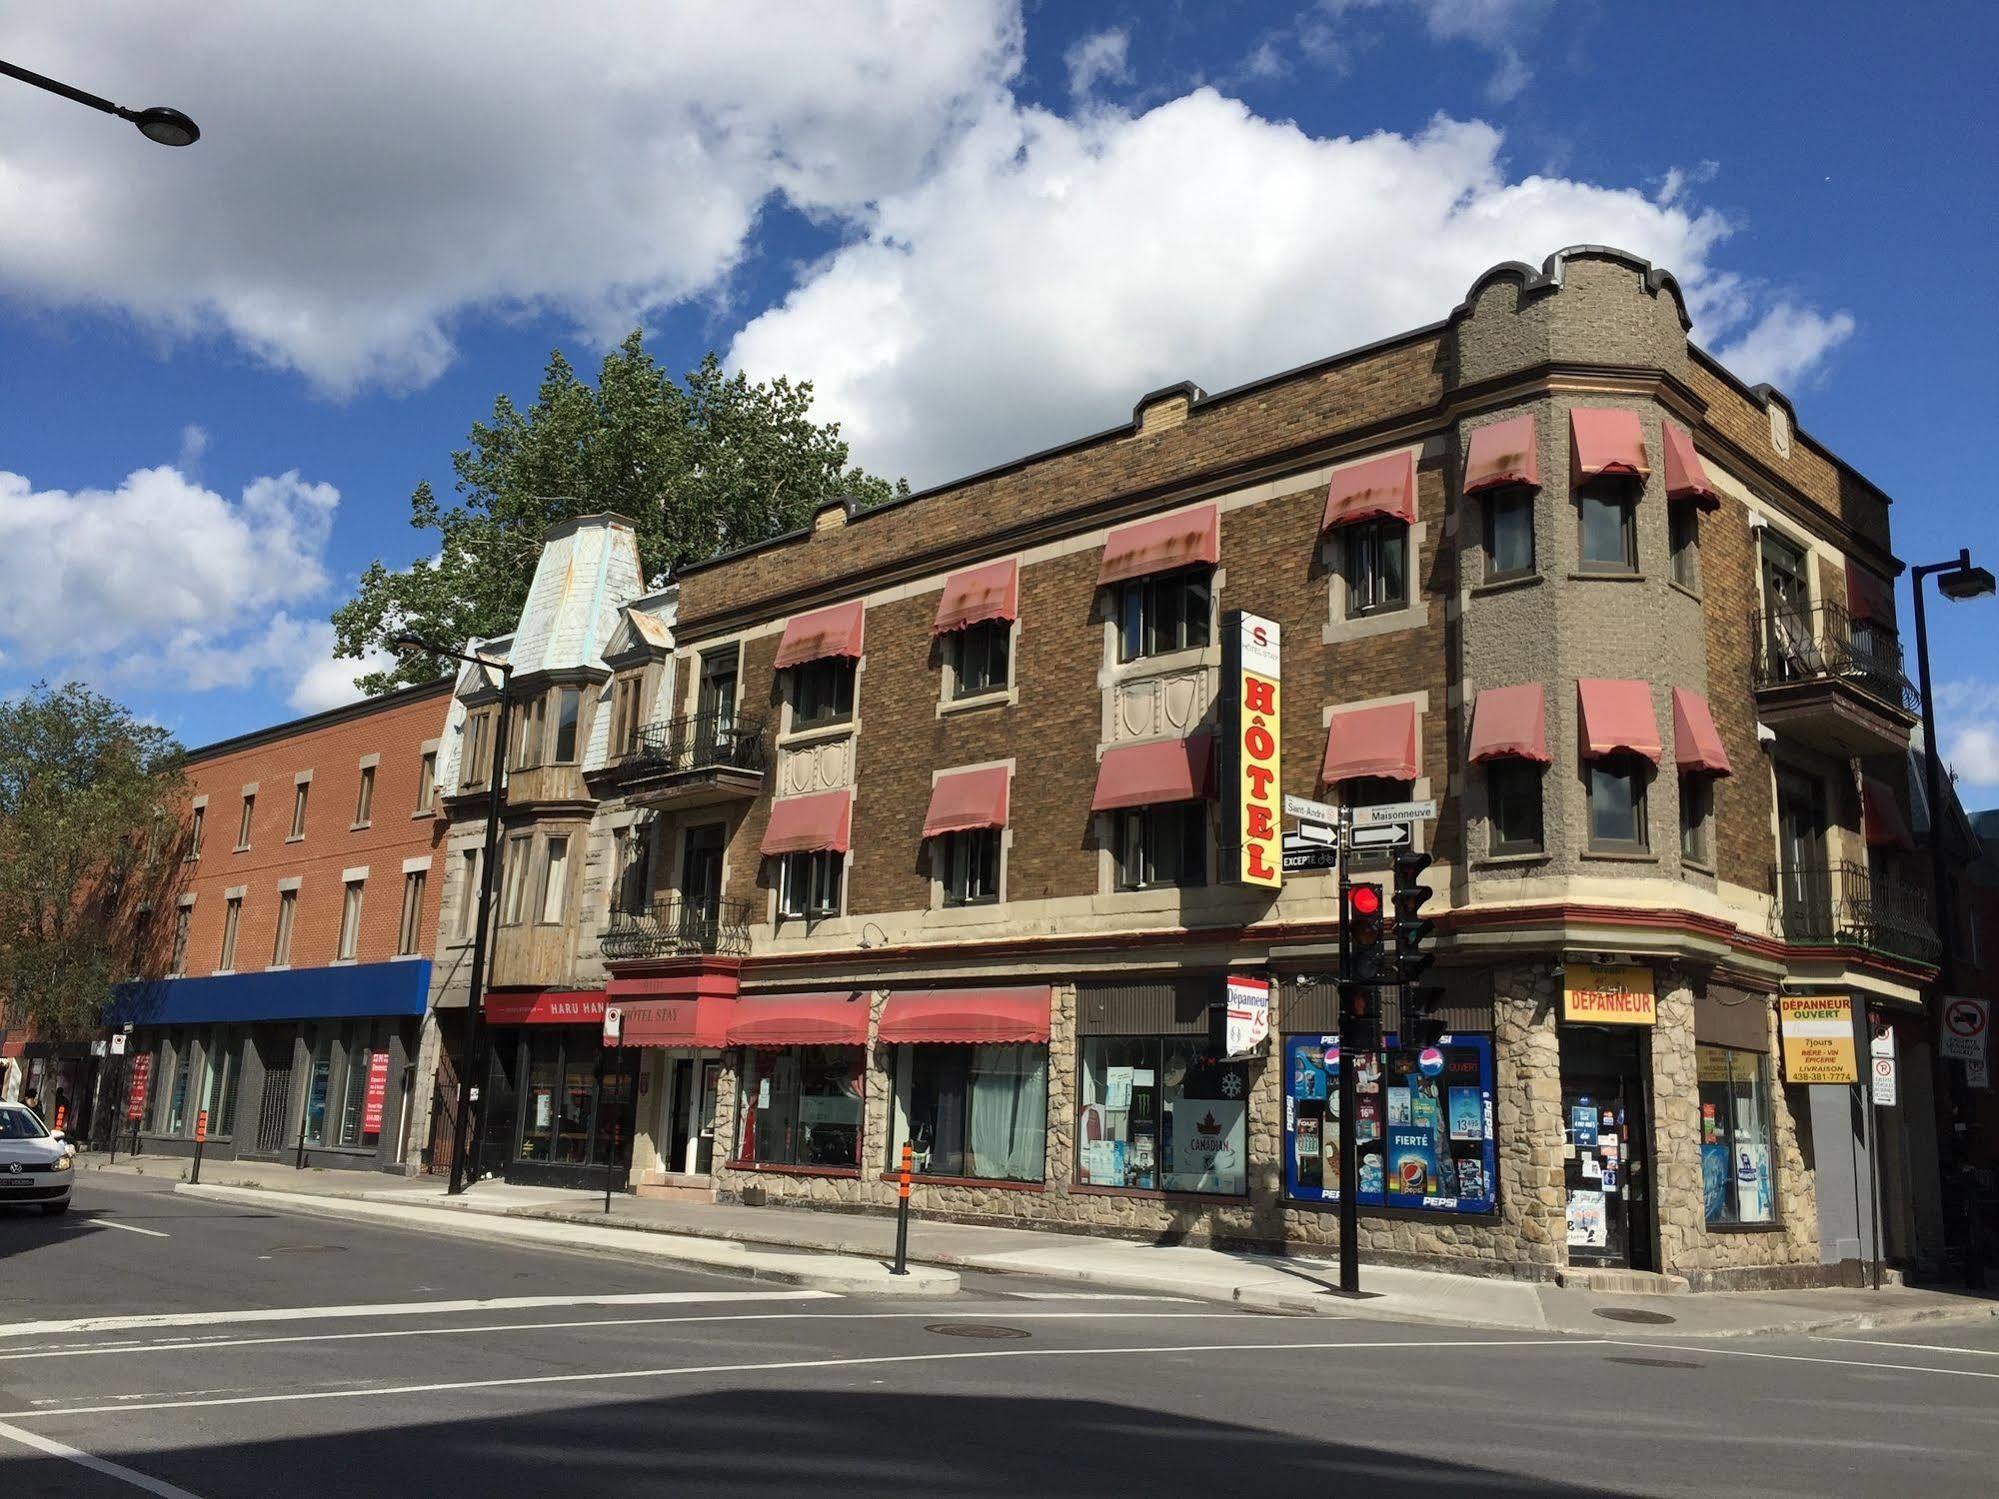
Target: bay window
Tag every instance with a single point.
(1609, 531)
(1161, 1113)
(1617, 804)
(1513, 806)
(1509, 534)
(802, 1106)
(973, 1111)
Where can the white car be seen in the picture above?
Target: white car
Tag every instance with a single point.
(36, 1165)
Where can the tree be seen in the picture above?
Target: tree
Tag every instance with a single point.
(90, 846)
(717, 463)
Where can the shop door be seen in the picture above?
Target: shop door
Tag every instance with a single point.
(679, 1113)
(1605, 1176)
(704, 1138)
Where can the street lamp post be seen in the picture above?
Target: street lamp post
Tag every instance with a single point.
(163, 126)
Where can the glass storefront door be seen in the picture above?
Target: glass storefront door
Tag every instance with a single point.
(1604, 1133)
(571, 1115)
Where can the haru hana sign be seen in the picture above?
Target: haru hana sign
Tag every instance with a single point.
(1608, 994)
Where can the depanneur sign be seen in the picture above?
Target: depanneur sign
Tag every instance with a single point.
(1818, 1038)
(1253, 772)
(1608, 994)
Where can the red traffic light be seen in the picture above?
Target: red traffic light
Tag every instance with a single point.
(1364, 900)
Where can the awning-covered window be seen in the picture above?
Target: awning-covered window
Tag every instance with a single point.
(1510, 723)
(1617, 715)
(965, 1017)
(839, 1018)
(820, 823)
(1696, 742)
(978, 594)
(1371, 742)
(1607, 441)
(1503, 453)
(1374, 487)
(1881, 815)
(1686, 476)
(1147, 775)
(966, 799)
(1870, 597)
(822, 633)
(1165, 545)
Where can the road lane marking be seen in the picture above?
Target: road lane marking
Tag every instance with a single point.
(130, 1228)
(389, 1309)
(606, 1376)
(1805, 1358)
(1093, 1296)
(1919, 1347)
(109, 1469)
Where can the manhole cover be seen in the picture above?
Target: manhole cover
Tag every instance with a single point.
(1654, 1363)
(1632, 1314)
(975, 1330)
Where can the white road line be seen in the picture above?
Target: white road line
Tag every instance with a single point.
(130, 1228)
(1918, 1347)
(1805, 1358)
(607, 1376)
(82, 1459)
(389, 1309)
(1092, 1296)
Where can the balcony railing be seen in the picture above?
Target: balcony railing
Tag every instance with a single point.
(674, 927)
(1825, 643)
(705, 741)
(1849, 905)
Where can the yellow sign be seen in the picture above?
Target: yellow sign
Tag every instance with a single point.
(1818, 1038)
(1607, 994)
(1257, 723)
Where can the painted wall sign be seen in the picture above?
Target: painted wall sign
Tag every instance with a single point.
(1608, 994)
(1818, 1038)
(1253, 768)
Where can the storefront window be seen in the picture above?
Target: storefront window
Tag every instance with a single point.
(1424, 1129)
(318, 1082)
(802, 1106)
(358, 1055)
(976, 1111)
(177, 1098)
(218, 1095)
(1735, 1136)
(1162, 1113)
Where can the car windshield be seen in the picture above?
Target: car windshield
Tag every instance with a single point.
(21, 1124)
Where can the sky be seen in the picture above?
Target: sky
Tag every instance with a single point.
(979, 226)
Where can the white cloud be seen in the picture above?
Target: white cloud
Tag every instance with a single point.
(1974, 754)
(1103, 56)
(1787, 345)
(193, 447)
(1497, 26)
(1971, 734)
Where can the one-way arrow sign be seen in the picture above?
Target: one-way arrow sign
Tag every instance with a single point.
(1388, 835)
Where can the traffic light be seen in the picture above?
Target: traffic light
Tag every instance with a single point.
(1360, 1018)
(1412, 927)
(1366, 963)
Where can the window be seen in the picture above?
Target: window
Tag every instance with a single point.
(515, 874)
(468, 891)
(555, 881)
(1376, 558)
(822, 692)
(1683, 526)
(802, 1106)
(1609, 538)
(177, 1119)
(1617, 804)
(1736, 1181)
(1509, 534)
(409, 934)
(808, 885)
(183, 919)
(363, 1090)
(1696, 796)
(472, 767)
(982, 654)
(529, 728)
(364, 800)
(631, 866)
(319, 1085)
(1162, 845)
(194, 832)
(232, 919)
(971, 866)
(426, 781)
(350, 921)
(715, 699)
(281, 944)
(218, 1093)
(243, 827)
(1513, 806)
(1162, 1113)
(299, 793)
(624, 716)
(973, 1111)
(1170, 612)
(568, 721)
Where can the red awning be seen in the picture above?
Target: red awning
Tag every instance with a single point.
(1503, 453)
(1606, 440)
(1881, 815)
(699, 1020)
(1371, 742)
(1384, 486)
(819, 823)
(1617, 715)
(822, 633)
(978, 594)
(1869, 596)
(1696, 742)
(966, 799)
(839, 1018)
(1686, 477)
(1165, 545)
(1510, 723)
(965, 1017)
(1145, 775)
(544, 1006)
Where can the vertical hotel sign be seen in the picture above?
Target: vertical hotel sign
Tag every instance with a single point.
(1251, 773)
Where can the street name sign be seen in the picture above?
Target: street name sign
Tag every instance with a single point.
(1394, 812)
(1306, 810)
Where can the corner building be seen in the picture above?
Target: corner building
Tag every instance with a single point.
(931, 817)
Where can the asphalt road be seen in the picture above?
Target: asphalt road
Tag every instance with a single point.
(225, 1351)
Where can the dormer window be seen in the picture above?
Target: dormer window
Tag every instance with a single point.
(568, 725)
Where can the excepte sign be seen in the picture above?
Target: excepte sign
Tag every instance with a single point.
(1252, 764)
(1818, 1038)
(1608, 994)
(1965, 1024)
(1248, 1014)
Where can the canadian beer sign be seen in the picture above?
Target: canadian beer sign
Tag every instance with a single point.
(1252, 772)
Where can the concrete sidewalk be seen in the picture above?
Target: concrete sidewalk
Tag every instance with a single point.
(856, 1246)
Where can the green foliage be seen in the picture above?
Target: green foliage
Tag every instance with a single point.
(703, 467)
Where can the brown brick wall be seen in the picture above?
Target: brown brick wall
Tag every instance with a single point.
(1742, 802)
(756, 686)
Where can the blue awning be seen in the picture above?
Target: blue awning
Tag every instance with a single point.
(357, 992)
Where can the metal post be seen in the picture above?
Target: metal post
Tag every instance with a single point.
(901, 1266)
(117, 1106)
(466, 1136)
(617, 1129)
(1349, 1090)
(200, 1139)
(1873, 1139)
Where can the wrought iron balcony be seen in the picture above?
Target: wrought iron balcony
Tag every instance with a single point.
(713, 756)
(675, 928)
(1849, 905)
(1831, 681)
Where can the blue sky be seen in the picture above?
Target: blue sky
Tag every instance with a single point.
(223, 369)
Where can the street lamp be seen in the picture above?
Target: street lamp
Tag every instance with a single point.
(163, 126)
(464, 1138)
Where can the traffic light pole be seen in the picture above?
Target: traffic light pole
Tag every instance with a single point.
(1349, 1088)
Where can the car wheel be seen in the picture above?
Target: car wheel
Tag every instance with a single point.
(51, 1209)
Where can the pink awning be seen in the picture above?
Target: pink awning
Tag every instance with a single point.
(809, 824)
(1617, 715)
(978, 594)
(1503, 453)
(1869, 596)
(543, 1006)
(1696, 742)
(1371, 742)
(1881, 815)
(1162, 546)
(965, 1017)
(1606, 440)
(839, 1018)
(967, 799)
(1510, 723)
(1686, 477)
(1384, 486)
(699, 1020)
(1145, 775)
(822, 633)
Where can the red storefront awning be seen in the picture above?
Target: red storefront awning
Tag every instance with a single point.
(1696, 742)
(1869, 596)
(1384, 486)
(1881, 815)
(700, 1020)
(978, 594)
(544, 1006)
(965, 1017)
(966, 799)
(838, 1018)
(1503, 453)
(1617, 715)
(822, 633)
(1145, 775)
(1510, 723)
(820, 823)
(1686, 476)
(1371, 742)
(1162, 546)
(1607, 441)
